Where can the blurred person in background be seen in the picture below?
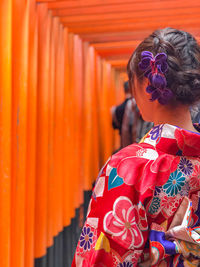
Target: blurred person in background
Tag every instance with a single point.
(195, 113)
(145, 207)
(117, 112)
(127, 119)
(133, 125)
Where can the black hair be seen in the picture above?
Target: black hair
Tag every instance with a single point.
(183, 58)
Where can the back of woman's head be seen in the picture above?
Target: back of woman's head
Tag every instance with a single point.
(183, 59)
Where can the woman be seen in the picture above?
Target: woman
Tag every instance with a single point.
(145, 208)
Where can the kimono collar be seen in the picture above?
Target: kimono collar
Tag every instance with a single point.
(174, 140)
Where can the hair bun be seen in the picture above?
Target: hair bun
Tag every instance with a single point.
(184, 94)
(183, 59)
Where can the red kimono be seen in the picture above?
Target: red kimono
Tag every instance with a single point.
(145, 207)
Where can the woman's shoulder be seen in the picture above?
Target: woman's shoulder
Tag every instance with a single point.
(134, 151)
(141, 166)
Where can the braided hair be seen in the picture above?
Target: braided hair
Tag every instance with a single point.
(183, 58)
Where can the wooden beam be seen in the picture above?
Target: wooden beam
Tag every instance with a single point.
(123, 22)
(114, 37)
(137, 26)
(119, 51)
(115, 45)
(48, 1)
(118, 57)
(119, 8)
(131, 15)
(120, 63)
(86, 3)
(126, 35)
(119, 68)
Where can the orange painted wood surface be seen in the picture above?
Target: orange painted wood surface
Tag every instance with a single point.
(68, 208)
(5, 130)
(31, 134)
(78, 122)
(44, 23)
(84, 3)
(51, 196)
(19, 131)
(137, 25)
(72, 138)
(155, 6)
(62, 67)
(116, 17)
(58, 127)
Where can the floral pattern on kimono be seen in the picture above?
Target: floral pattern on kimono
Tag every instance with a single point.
(145, 206)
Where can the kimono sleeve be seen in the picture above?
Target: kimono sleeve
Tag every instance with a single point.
(116, 228)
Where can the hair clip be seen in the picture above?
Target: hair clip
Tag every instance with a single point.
(154, 69)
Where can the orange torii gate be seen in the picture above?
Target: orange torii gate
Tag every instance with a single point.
(62, 65)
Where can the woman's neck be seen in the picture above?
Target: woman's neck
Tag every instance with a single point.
(179, 116)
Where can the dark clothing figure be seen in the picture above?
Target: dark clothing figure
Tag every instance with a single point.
(133, 126)
(118, 115)
(126, 117)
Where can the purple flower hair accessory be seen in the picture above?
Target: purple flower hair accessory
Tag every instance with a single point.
(154, 69)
